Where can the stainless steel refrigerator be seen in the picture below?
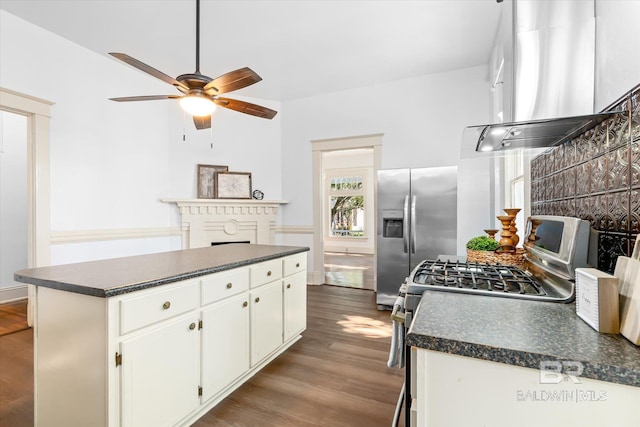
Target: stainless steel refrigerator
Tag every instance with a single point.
(417, 220)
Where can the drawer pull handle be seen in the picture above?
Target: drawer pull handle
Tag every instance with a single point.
(166, 305)
(258, 299)
(269, 273)
(192, 326)
(297, 264)
(244, 304)
(229, 285)
(288, 285)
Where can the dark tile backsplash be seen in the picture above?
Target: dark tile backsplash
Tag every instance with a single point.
(596, 177)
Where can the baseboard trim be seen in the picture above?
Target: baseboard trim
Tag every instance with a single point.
(13, 293)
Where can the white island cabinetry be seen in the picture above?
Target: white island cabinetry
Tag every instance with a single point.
(164, 355)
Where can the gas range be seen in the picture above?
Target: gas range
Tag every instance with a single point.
(475, 278)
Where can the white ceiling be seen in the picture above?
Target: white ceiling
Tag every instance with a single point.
(299, 48)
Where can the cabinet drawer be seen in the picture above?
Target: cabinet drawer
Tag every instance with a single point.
(266, 272)
(225, 284)
(153, 307)
(295, 264)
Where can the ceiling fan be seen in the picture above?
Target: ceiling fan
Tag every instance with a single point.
(201, 94)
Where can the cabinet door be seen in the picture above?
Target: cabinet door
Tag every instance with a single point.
(225, 344)
(160, 374)
(266, 320)
(295, 304)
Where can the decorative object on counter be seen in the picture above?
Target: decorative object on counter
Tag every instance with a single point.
(233, 185)
(207, 180)
(513, 212)
(506, 241)
(532, 238)
(484, 249)
(258, 195)
(628, 272)
(491, 232)
(597, 300)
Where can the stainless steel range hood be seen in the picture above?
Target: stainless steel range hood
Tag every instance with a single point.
(530, 134)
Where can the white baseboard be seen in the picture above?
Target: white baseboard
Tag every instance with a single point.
(13, 293)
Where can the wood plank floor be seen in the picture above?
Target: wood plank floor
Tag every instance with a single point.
(336, 375)
(13, 317)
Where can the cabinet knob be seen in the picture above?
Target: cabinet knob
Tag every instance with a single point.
(229, 285)
(258, 299)
(166, 305)
(192, 326)
(297, 264)
(244, 304)
(269, 273)
(288, 285)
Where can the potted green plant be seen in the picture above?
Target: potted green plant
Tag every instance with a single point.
(481, 249)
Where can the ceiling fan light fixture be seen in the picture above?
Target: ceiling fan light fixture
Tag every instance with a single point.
(197, 105)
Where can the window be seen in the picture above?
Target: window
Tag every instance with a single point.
(346, 194)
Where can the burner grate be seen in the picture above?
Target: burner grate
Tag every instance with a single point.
(471, 276)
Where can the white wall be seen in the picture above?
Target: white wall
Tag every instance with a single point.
(111, 163)
(617, 67)
(13, 203)
(422, 121)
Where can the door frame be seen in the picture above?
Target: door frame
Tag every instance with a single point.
(319, 146)
(38, 114)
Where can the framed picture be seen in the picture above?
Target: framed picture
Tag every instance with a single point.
(233, 185)
(207, 180)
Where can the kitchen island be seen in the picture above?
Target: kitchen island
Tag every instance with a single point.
(483, 355)
(160, 339)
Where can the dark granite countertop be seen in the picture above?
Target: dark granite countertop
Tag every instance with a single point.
(110, 277)
(522, 333)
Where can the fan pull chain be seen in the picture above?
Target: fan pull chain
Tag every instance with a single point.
(184, 130)
(211, 133)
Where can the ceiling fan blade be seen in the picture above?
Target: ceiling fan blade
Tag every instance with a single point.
(145, 98)
(202, 122)
(246, 107)
(148, 69)
(233, 80)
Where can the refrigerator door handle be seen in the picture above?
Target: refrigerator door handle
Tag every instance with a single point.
(405, 225)
(413, 225)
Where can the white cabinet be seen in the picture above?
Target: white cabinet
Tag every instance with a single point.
(295, 304)
(266, 320)
(160, 374)
(225, 343)
(166, 355)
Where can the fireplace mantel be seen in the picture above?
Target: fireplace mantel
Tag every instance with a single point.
(207, 221)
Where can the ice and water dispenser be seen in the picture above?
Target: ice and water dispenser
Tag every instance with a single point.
(392, 223)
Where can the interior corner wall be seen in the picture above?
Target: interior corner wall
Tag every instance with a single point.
(617, 68)
(422, 120)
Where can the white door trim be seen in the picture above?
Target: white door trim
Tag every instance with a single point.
(334, 144)
(38, 113)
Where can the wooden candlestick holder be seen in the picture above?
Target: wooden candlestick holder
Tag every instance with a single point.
(506, 241)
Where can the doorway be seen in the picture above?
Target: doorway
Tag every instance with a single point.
(344, 210)
(13, 204)
(37, 113)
